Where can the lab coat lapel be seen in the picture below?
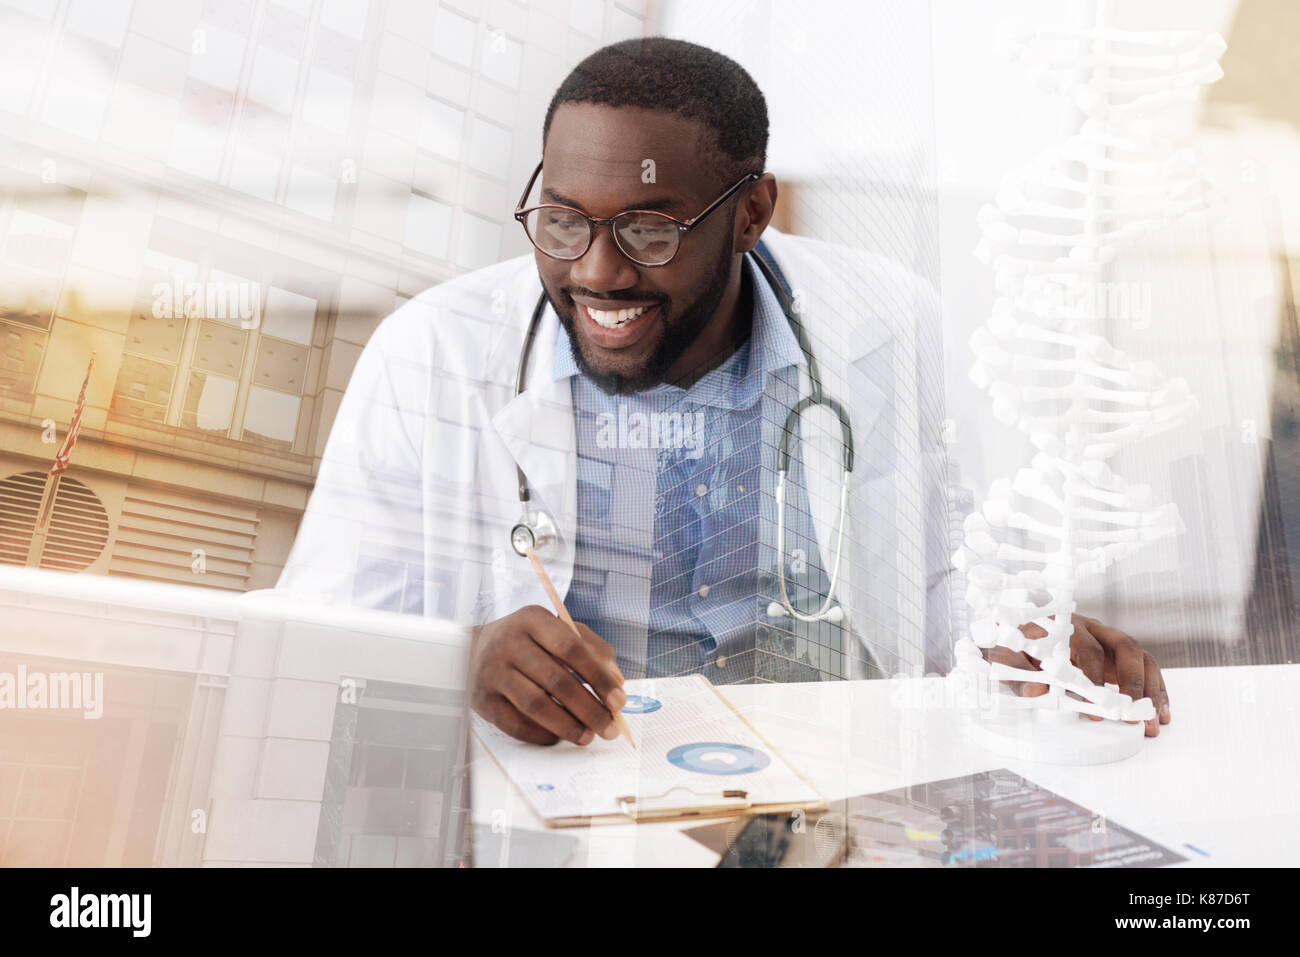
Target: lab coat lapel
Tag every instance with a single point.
(839, 342)
(537, 428)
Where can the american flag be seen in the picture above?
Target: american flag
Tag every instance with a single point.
(70, 440)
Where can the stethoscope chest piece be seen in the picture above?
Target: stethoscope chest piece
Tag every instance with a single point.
(536, 530)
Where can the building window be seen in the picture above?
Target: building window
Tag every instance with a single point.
(20, 357)
(215, 352)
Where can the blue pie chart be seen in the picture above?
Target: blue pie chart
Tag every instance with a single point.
(718, 757)
(641, 704)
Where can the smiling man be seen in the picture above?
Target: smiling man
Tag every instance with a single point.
(633, 328)
(724, 441)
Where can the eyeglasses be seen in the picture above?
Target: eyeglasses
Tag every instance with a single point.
(644, 236)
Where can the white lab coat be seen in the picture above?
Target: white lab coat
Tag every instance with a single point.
(417, 489)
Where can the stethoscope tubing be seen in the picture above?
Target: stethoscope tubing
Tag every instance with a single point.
(537, 530)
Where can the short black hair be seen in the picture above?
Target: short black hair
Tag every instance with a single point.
(692, 81)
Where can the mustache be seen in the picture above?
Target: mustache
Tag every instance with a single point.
(619, 296)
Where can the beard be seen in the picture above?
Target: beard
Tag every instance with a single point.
(679, 331)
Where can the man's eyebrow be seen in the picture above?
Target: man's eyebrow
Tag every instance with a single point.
(661, 204)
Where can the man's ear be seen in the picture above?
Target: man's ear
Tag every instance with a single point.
(754, 212)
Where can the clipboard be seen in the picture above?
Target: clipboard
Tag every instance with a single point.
(731, 797)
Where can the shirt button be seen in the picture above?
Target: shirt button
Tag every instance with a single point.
(721, 661)
(740, 488)
(703, 591)
(701, 490)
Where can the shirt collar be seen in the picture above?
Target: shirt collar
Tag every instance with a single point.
(739, 381)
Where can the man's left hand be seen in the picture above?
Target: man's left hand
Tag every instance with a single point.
(1107, 656)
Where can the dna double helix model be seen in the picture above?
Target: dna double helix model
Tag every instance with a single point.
(1050, 235)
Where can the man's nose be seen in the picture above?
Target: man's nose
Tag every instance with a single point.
(603, 267)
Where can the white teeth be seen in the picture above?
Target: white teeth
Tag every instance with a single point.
(615, 318)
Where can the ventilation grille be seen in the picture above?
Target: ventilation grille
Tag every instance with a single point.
(160, 534)
(78, 525)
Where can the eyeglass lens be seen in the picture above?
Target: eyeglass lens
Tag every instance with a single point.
(645, 238)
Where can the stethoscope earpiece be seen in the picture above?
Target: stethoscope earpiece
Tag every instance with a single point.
(835, 614)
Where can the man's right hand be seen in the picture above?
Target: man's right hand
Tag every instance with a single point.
(520, 665)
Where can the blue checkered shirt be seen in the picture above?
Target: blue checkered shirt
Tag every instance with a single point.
(675, 545)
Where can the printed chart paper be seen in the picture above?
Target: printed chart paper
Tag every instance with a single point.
(691, 747)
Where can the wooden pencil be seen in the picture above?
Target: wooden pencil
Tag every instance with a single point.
(620, 722)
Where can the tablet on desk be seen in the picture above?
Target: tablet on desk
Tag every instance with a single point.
(814, 839)
(990, 819)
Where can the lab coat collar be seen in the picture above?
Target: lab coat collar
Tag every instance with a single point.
(798, 260)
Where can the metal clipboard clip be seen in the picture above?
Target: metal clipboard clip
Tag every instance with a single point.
(659, 805)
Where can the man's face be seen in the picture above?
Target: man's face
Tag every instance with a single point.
(594, 162)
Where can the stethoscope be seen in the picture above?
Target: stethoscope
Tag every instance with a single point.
(536, 529)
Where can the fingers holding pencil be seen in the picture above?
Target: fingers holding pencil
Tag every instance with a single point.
(613, 698)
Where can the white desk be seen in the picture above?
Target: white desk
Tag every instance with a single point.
(1224, 776)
